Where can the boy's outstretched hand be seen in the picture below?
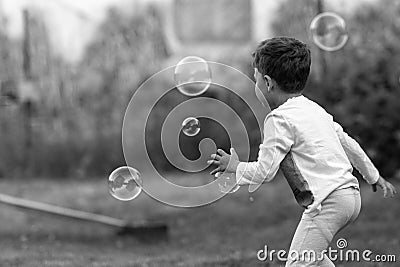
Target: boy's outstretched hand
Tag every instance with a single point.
(224, 161)
(387, 187)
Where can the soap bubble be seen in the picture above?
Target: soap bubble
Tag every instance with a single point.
(191, 126)
(124, 183)
(328, 31)
(192, 76)
(227, 182)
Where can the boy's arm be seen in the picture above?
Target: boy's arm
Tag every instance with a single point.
(362, 163)
(278, 140)
(357, 156)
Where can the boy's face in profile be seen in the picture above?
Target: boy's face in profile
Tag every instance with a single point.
(261, 89)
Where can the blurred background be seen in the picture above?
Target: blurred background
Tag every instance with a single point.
(68, 71)
(69, 68)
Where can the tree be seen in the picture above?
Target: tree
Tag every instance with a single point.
(126, 50)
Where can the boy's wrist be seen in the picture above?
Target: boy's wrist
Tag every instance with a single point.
(374, 180)
(233, 166)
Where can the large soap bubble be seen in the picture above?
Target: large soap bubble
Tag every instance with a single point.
(329, 32)
(192, 76)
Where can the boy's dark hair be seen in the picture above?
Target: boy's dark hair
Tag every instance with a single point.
(286, 60)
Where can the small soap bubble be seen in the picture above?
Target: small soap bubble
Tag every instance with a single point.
(191, 126)
(227, 182)
(124, 183)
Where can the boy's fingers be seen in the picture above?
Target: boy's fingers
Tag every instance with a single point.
(221, 152)
(389, 192)
(215, 156)
(215, 162)
(392, 190)
(384, 188)
(215, 171)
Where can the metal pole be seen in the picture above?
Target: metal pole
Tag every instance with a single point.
(66, 212)
(26, 49)
(144, 228)
(322, 58)
(27, 105)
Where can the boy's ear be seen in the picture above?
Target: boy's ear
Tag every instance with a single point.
(268, 82)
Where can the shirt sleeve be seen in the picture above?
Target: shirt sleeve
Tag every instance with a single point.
(278, 140)
(357, 156)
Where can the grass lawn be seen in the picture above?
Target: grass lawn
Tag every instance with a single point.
(226, 233)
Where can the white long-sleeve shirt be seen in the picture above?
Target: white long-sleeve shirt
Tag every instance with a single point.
(322, 153)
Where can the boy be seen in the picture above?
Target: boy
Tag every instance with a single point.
(313, 151)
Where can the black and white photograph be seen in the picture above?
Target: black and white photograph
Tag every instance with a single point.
(199, 133)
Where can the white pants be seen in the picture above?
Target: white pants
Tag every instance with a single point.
(315, 232)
